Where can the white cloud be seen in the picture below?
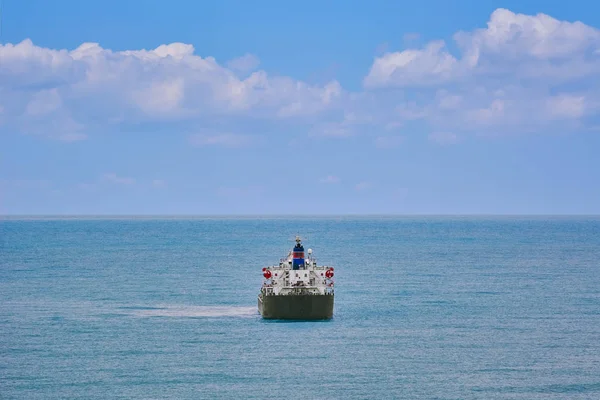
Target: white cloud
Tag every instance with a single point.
(246, 63)
(431, 65)
(527, 46)
(520, 73)
(410, 111)
(91, 83)
(160, 98)
(43, 102)
(566, 106)
(447, 101)
(538, 36)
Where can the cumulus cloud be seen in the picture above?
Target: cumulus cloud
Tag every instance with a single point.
(429, 66)
(91, 84)
(244, 64)
(520, 73)
(530, 46)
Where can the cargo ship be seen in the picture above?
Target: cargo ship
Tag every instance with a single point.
(297, 288)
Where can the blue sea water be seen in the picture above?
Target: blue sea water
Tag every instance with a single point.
(425, 308)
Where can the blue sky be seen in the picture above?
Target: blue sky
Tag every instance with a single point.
(181, 107)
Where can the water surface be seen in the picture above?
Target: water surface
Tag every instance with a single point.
(426, 307)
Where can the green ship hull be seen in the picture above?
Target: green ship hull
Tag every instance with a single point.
(296, 306)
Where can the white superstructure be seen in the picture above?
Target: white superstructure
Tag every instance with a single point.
(295, 275)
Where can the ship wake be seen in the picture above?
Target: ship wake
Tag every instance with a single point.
(179, 311)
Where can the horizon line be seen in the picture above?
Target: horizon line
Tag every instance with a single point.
(259, 215)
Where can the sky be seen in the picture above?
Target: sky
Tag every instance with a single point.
(307, 107)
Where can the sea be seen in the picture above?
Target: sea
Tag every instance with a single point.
(426, 307)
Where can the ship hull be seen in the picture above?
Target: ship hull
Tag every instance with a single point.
(296, 307)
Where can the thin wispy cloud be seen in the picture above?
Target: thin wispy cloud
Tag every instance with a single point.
(411, 37)
(443, 138)
(330, 179)
(120, 180)
(106, 180)
(221, 139)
